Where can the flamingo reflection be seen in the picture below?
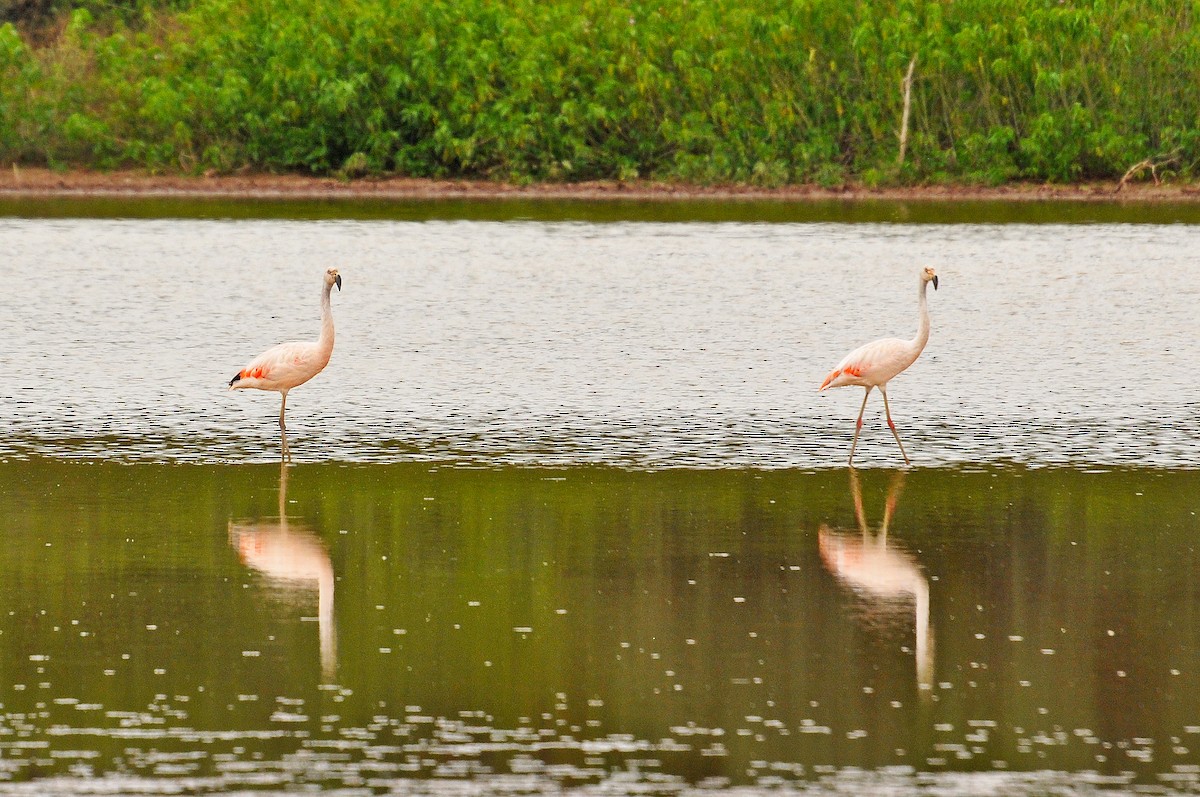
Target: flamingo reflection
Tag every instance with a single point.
(886, 577)
(293, 556)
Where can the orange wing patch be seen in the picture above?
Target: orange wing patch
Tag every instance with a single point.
(849, 370)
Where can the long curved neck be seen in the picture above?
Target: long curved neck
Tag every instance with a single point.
(922, 320)
(325, 623)
(325, 342)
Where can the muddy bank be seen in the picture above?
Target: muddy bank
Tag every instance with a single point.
(31, 182)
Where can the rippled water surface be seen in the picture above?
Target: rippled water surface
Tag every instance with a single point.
(642, 344)
(567, 514)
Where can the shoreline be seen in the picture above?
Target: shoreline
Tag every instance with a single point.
(38, 183)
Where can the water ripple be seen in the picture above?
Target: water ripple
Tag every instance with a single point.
(640, 345)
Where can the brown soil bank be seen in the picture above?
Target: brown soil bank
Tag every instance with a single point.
(32, 182)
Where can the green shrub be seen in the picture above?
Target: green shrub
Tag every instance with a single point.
(763, 92)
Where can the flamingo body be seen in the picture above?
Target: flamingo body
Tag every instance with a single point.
(874, 364)
(283, 367)
(288, 365)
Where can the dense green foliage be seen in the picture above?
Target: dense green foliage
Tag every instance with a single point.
(757, 91)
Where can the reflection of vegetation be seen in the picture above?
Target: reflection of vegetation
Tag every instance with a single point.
(757, 92)
(588, 595)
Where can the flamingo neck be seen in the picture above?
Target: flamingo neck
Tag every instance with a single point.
(325, 342)
(924, 639)
(325, 623)
(922, 318)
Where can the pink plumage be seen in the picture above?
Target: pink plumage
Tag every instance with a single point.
(874, 364)
(283, 367)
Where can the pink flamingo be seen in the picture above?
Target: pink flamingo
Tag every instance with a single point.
(292, 555)
(287, 365)
(875, 363)
(882, 574)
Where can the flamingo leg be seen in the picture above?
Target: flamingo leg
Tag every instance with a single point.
(859, 512)
(858, 425)
(890, 507)
(892, 425)
(286, 453)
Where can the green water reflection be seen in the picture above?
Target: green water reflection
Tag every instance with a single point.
(568, 626)
(610, 210)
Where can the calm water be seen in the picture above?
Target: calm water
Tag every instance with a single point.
(417, 628)
(568, 515)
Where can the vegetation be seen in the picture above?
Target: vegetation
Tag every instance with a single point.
(766, 92)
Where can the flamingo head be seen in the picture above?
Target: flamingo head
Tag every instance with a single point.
(929, 275)
(332, 277)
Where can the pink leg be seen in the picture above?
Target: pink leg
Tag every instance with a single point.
(858, 426)
(286, 453)
(892, 425)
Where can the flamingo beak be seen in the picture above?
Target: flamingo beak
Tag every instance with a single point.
(934, 282)
(338, 282)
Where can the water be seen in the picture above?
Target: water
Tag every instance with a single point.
(633, 344)
(436, 629)
(567, 514)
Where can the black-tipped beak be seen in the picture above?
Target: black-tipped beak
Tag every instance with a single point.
(338, 281)
(934, 281)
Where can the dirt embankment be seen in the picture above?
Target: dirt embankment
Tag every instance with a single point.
(36, 182)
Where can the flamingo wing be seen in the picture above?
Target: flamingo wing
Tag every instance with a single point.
(281, 367)
(871, 364)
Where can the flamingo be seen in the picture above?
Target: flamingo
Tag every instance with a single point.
(287, 365)
(882, 574)
(293, 556)
(875, 363)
